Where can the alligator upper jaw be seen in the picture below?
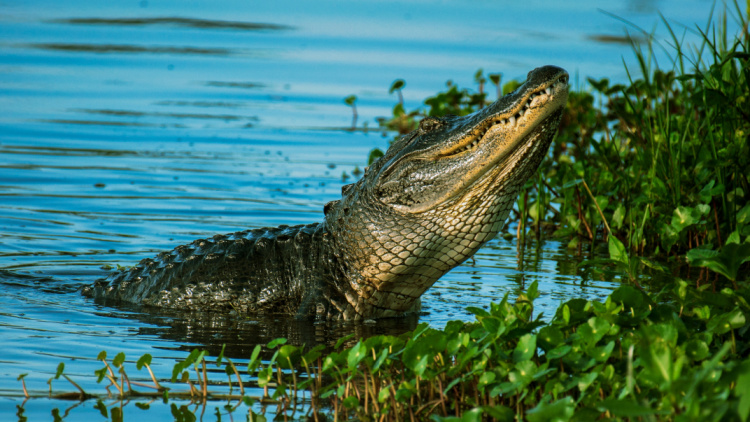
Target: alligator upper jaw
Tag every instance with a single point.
(440, 165)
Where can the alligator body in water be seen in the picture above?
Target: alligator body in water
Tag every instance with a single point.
(428, 204)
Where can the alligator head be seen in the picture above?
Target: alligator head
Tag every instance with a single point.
(438, 194)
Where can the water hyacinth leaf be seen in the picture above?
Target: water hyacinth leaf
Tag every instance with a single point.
(499, 413)
(586, 380)
(550, 337)
(728, 321)
(533, 291)
(144, 360)
(119, 359)
(743, 215)
(624, 408)
(276, 342)
(594, 330)
(312, 354)
(254, 362)
(617, 251)
(696, 349)
(477, 311)
(384, 394)
(381, 358)
(559, 351)
(525, 348)
(288, 356)
(684, 217)
(493, 325)
(264, 376)
(602, 353)
(60, 369)
(350, 402)
(486, 378)
(343, 340)
(523, 373)
(356, 354)
(618, 217)
(742, 391)
(557, 411)
(726, 261)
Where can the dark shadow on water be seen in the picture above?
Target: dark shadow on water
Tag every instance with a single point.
(132, 49)
(239, 334)
(178, 22)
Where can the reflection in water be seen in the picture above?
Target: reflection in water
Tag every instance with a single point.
(176, 21)
(240, 334)
(133, 49)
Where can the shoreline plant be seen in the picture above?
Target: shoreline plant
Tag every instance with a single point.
(662, 163)
(661, 169)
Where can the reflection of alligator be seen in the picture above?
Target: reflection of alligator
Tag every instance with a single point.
(436, 196)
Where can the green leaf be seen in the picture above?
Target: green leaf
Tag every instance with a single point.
(550, 337)
(726, 262)
(742, 390)
(594, 329)
(559, 352)
(356, 354)
(624, 408)
(254, 362)
(617, 251)
(557, 411)
(375, 153)
(396, 85)
(144, 360)
(384, 393)
(525, 348)
(60, 369)
(276, 342)
(343, 340)
(264, 376)
(533, 291)
(728, 321)
(350, 402)
(477, 311)
(118, 360)
(288, 356)
(350, 100)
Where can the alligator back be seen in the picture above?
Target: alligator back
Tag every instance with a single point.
(270, 270)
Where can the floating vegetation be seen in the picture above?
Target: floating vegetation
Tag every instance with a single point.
(682, 354)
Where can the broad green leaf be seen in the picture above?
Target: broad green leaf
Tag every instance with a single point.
(617, 251)
(276, 342)
(624, 408)
(594, 330)
(118, 360)
(525, 348)
(557, 411)
(144, 360)
(726, 262)
(550, 337)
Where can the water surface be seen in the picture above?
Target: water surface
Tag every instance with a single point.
(129, 128)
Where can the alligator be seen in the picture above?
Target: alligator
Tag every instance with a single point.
(428, 204)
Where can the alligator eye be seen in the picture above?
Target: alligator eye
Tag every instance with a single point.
(429, 123)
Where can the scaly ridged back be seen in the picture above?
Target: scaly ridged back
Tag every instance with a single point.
(270, 270)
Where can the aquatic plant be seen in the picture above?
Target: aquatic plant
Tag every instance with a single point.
(661, 163)
(681, 354)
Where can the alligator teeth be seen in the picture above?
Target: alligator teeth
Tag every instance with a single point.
(512, 120)
(521, 113)
(548, 91)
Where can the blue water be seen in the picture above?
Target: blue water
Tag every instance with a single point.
(127, 128)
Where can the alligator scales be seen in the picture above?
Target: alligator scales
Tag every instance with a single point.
(427, 205)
